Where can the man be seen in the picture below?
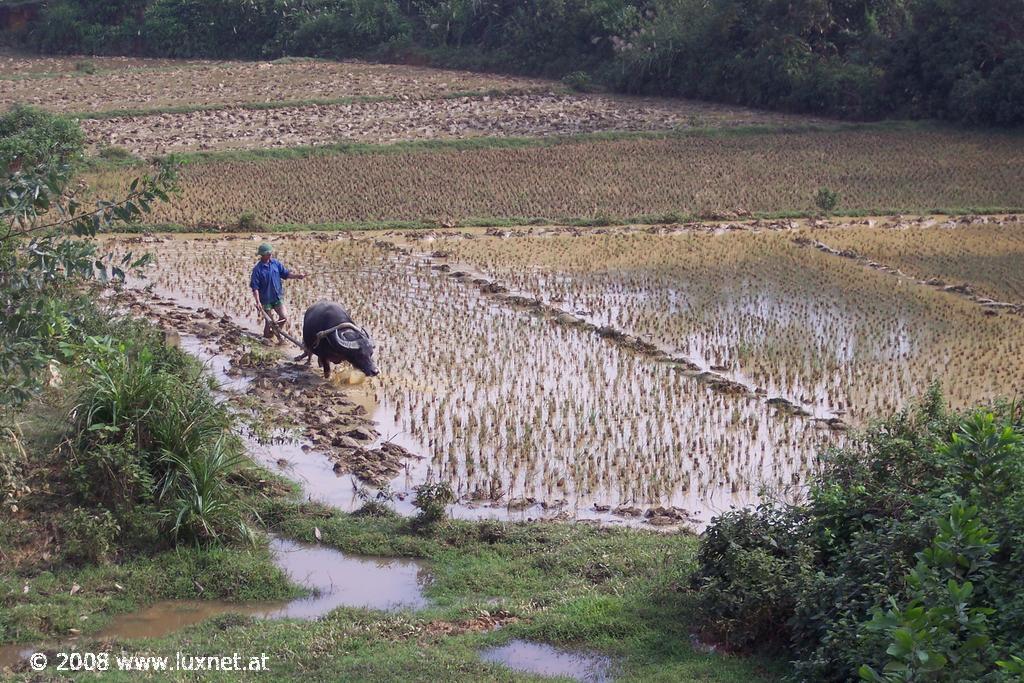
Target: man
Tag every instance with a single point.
(267, 289)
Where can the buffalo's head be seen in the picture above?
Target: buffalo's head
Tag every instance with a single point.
(356, 347)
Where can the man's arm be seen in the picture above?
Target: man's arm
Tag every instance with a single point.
(291, 274)
(254, 284)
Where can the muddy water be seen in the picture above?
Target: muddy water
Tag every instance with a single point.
(334, 579)
(522, 417)
(545, 660)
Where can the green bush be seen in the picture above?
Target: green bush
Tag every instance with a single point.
(148, 434)
(921, 58)
(89, 535)
(432, 501)
(921, 500)
(826, 200)
(248, 221)
(350, 28)
(751, 566)
(580, 81)
(29, 137)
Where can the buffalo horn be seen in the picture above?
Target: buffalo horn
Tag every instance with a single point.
(345, 343)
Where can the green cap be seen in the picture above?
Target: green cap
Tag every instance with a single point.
(265, 249)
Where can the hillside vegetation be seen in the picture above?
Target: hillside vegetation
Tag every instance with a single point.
(865, 59)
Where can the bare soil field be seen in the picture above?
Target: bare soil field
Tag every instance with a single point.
(31, 66)
(180, 84)
(873, 170)
(424, 119)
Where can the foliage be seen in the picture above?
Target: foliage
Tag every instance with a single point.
(579, 81)
(89, 535)
(826, 200)
(377, 504)
(146, 432)
(902, 565)
(853, 58)
(432, 501)
(750, 565)
(941, 633)
(13, 459)
(349, 28)
(41, 268)
(29, 137)
(148, 440)
(248, 221)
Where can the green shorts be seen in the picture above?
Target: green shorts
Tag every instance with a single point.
(267, 307)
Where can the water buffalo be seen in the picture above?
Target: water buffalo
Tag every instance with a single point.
(347, 343)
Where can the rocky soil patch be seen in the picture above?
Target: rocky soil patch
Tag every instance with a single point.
(153, 84)
(392, 121)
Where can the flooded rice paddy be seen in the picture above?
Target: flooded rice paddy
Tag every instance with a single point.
(686, 374)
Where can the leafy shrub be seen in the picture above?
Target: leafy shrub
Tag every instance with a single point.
(29, 137)
(826, 200)
(432, 501)
(750, 568)
(940, 632)
(903, 564)
(377, 504)
(580, 81)
(12, 468)
(248, 221)
(147, 432)
(89, 535)
(350, 28)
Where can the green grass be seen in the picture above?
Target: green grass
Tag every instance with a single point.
(48, 610)
(613, 591)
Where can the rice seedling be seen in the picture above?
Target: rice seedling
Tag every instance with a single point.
(516, 410)
(988, 257)
(878, 170)
(511, 409)
(795, 323)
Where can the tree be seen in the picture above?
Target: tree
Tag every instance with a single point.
(46, 250)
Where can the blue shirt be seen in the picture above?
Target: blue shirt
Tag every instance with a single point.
(266, 279)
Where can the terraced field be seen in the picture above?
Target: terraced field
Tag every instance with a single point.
(987, 257)
(562, 372)
(618, 179)
(393, 120)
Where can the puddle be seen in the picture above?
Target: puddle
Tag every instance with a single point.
(382, 583)
(546, 660)
(337, 580)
